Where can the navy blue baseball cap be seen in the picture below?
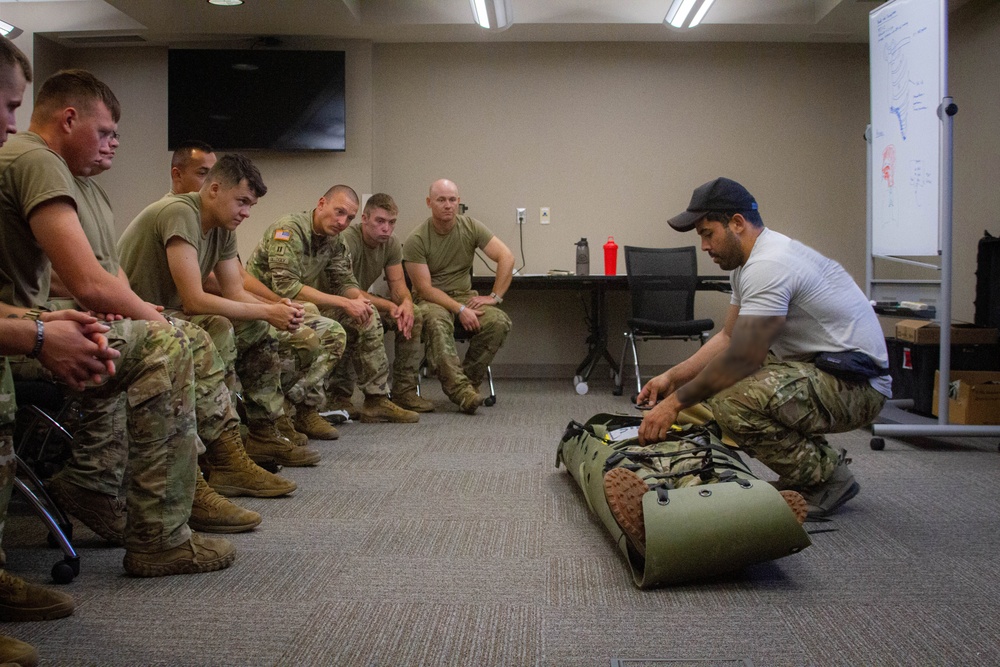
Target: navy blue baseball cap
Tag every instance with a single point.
(719, 196)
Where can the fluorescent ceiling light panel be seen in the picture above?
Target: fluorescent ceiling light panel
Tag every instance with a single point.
(492, 14)
(681, 9)
(705, 6)
(9, 31)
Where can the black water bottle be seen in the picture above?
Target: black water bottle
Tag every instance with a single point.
(582, 258)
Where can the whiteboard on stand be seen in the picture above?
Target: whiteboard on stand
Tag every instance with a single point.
(907, 85)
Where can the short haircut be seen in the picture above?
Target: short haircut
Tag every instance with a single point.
(342, 189)
(76, 88)
(753, 217)
(383, 201)
(184, 150)
(10, 55)
(233, 168)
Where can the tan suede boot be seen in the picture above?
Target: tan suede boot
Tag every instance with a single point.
(265, 445)
(413, 401)
(103, 514)
(287, 428)
(230, 471)
(21, 601)
(381, 409)
(308, 421)
(15, 652)
(200, 553)
(339, 402)
(211, 513)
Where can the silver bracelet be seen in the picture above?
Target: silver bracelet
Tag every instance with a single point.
(39, 340)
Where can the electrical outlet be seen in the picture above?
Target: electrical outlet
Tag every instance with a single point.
(545, 216)
(521, 213)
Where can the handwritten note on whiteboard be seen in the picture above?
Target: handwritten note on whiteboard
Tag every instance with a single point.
(906, 89)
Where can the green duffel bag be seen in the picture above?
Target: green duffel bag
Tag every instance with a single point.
(705, 512)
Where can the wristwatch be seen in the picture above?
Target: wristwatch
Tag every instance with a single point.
(496, 297)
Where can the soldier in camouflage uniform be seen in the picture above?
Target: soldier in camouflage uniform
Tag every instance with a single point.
(73, 345)
(170, 249)
(375, 252)
(301, 257)
(758, 374)
(86, 487)
(438, 256)
(306, 354)
(155, 370)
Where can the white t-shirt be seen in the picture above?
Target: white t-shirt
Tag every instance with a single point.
(825, 310)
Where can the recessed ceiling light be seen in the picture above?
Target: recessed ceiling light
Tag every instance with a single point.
(9, 31)
(225, 3)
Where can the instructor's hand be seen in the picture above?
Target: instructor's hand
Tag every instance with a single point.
(657, 421)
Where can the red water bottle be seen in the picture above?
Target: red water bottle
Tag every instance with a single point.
(610, 257)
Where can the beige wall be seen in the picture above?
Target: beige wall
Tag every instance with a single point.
(611, 136)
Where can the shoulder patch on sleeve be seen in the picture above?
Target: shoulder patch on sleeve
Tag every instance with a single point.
(282, 235)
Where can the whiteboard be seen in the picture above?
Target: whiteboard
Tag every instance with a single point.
(907, 86)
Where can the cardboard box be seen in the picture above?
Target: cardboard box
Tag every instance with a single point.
(925, 332)
(974, 397)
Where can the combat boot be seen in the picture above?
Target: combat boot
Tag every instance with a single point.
(411, 400)
(287, 429)
(381, 409)
(15, 652)
(341, 403)
(21, 601)
(826, 497)
(308, 421)
(230, 471)
(211, 513)
(103, 514)
(266, 446)
(199, 554)
(470, 402)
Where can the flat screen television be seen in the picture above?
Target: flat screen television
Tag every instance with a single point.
(252, 99)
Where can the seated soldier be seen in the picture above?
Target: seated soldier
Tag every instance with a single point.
(438, 256)
(301, 257)
(305, 368)
(72, 124)
(180, 239)
(374, 251)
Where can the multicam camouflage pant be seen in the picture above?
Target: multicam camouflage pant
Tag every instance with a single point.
(308, 356)
(8, 465)
(409, 353)
(100, 446)
(458, 377)
(249, 351)
(155, 372)
(778, 416)
(365, 353)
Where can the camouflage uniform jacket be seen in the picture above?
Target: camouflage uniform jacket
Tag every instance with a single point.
(291, 256)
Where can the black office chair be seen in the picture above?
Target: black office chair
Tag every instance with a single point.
(40, 446)
(662, 284)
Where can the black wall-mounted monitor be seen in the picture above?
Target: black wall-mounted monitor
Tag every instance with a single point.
(256, 99)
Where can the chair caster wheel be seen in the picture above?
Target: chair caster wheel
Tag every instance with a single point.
(580, 384)
(878, 444)
(62, 572)
(617, 391)
(490, 401)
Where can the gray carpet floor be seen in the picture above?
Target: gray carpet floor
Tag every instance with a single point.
(456, 541)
